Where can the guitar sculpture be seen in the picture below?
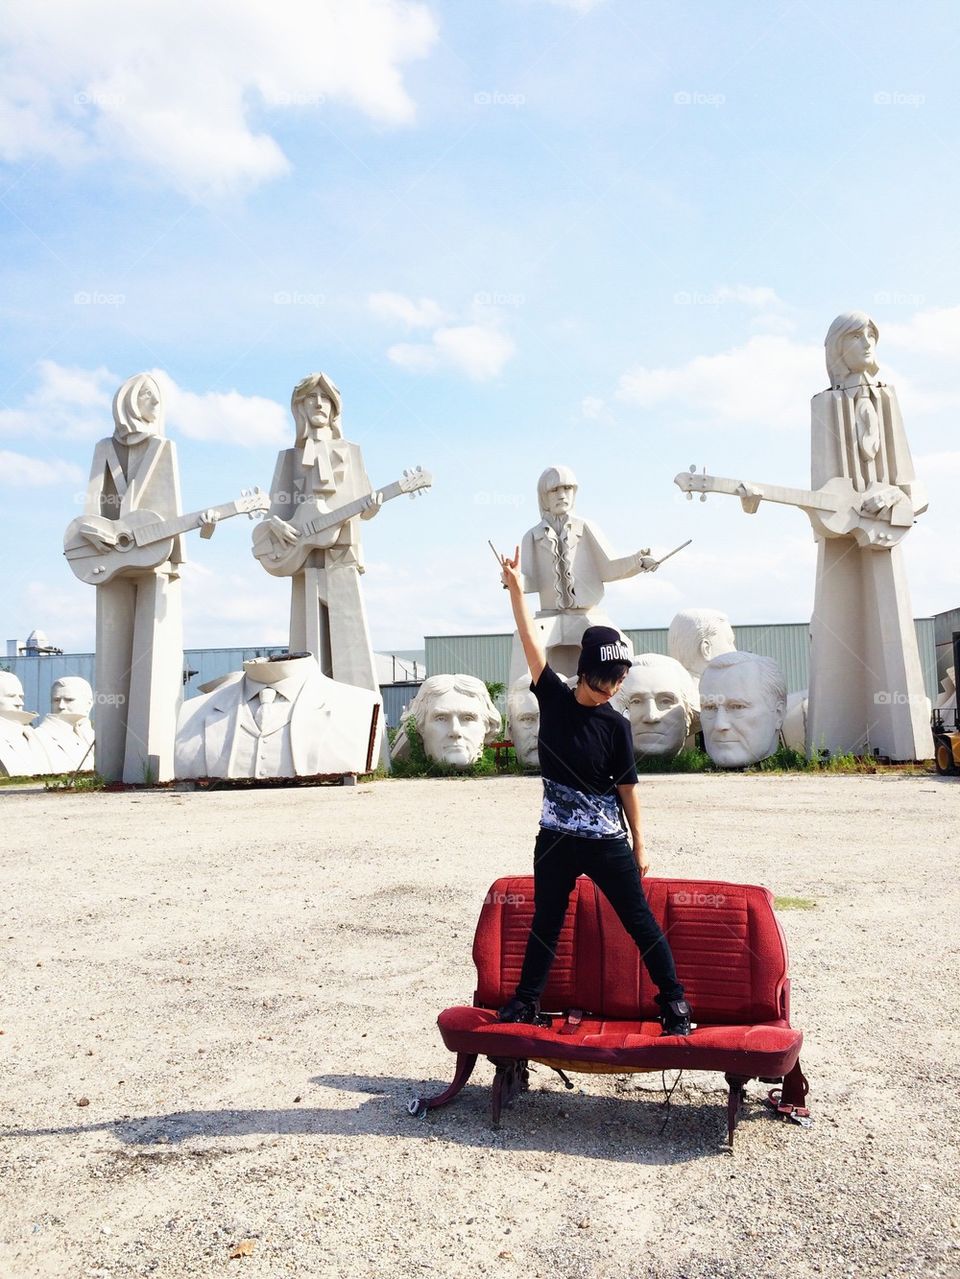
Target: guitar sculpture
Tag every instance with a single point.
(140, 541)
(877, 517)
(319, 528)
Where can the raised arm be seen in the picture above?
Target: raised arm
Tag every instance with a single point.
(532, 648)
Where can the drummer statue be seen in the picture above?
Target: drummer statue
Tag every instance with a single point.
(567, 561)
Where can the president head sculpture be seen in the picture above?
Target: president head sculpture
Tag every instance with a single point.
(659, 699)
(455, 717)
(11, 697)
(71, 699)
(697, 635)
(523, 717)
(743, 697)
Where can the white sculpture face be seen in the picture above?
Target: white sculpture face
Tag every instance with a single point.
(148, 402)
(560, 500)
(454, 729)
(859, 350)
(740, 720)
(11, 693)
(318, 410)
(71, 696)
(523, 712)
(652, 698)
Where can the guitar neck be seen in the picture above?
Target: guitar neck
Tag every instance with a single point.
(805, 498)
(180, 524)
(342, 513)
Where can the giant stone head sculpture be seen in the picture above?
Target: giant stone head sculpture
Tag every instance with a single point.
(743, 697)
(455, 717)
(659, 699)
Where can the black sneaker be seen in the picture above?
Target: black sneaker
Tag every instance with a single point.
(676, 1018)
(523, 1010)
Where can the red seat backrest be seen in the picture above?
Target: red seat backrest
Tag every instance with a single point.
(727, 944)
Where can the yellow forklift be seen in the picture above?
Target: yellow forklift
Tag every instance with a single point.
(946, 725)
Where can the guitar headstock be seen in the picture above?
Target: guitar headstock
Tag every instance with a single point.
(252, 502)
(415, 481)
(694, 481)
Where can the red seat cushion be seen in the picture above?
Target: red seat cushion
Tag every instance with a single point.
(769, 1050)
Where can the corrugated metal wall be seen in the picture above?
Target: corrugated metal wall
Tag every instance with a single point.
(944, 626)
(788, 643)
(38, 674)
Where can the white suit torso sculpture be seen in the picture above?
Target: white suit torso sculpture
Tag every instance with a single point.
(279, 717)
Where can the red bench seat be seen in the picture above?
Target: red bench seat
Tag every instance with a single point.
(731, 957)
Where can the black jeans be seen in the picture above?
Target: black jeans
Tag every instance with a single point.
(557, 861)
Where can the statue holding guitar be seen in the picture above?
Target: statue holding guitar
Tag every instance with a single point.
(866, 682)
(318, 496)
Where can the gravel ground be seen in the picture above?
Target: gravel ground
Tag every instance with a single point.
(216, 1006)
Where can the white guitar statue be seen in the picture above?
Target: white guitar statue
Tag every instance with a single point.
(877, 517)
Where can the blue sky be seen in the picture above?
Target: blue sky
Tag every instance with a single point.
(514, 232)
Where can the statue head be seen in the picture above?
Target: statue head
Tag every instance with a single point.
(850, 344)
(697, 635)
(455, 717)
(316, 405)
(743, 697)
(557, 490)
(71, 698)
(137, 410)
(11, 693)
(523, 717)
(659, 699)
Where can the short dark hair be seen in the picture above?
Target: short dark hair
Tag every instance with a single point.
(605, 673)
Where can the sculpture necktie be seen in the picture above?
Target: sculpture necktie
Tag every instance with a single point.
(267, 698)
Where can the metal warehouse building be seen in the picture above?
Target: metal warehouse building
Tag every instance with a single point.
(788, 643)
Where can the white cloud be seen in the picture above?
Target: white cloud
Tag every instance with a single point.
(74, 403)
(769, 381)
(578, 6)
(934, 332)
(16, 469)
(172, 89)
(70, 403)
(425, 314)
(480, 351)
(245, 420)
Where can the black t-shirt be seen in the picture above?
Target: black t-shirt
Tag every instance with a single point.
(585, 753)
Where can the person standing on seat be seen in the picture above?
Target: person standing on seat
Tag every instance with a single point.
(589, 786)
